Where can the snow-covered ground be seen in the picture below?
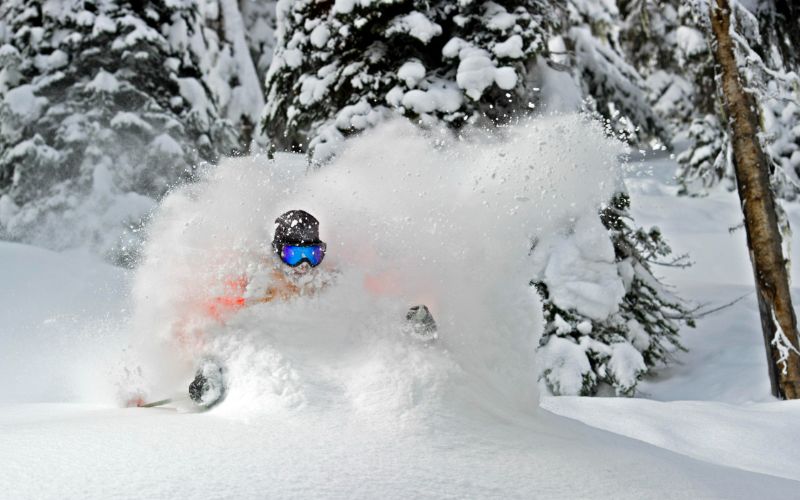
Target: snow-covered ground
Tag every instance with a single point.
(393, 419)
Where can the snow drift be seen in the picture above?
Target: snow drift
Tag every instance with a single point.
(431, 219)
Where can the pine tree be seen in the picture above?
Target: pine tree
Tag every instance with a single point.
(611, 85)
(103, 107)
(340, 68)
(227, 66)
(581, 352)
(776, 76)
(669, 43)
(665, 42)
(260, 23)
(775, 85)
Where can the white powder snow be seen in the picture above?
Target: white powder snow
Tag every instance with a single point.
(104, 82)
(581, 270)
(454, 46)
(8, 51)
(558, 49)
(54, 60)
(178, 36)
(127, 119)
(441, 95)
(165, 144)
(103, 24)
(319, 37)
(394, 96)
(690, 40)
(505, 77)
(137, 32)
(293, 57)
(511, 48)
(415, 24)
(85, 18)
(344, 6)
(476, 72)
(498, 18)
(312, 89)
(626, 364)
(637, 335)
(750, 437)
(412, 191)
(567, 362)
(357, 116)
(419, 101)
(411, 72)
(246, 99)
(24, 103)
(194, 93)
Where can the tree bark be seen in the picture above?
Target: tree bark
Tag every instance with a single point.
(761, 224)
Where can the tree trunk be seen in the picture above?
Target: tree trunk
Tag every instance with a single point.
(758, 206)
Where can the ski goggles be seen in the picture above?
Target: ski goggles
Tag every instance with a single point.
(294, 255)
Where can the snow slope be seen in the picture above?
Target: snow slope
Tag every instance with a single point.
(56, 451)
(61, 330)
(323, 414)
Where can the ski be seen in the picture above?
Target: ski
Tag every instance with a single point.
(156, 403)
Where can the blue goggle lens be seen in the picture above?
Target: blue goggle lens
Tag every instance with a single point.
(293, 255)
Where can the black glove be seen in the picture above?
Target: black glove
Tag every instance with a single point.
(421, 323)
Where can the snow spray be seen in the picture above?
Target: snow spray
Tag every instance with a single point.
(410, 217)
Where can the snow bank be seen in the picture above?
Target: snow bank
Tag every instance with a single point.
(703, 430)
(432, 220)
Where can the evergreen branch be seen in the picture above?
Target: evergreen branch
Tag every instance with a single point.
(753, 57)
(701, 314)
(678, 262)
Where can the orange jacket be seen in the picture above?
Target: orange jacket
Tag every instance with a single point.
(233, 297)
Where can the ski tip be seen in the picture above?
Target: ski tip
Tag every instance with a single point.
(134, 402)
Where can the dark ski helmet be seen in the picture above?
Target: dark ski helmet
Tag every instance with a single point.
(296, 227)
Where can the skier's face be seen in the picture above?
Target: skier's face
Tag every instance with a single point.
(301, 270)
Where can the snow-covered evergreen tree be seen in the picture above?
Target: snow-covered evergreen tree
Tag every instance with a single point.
(665, 41)
(226, 63)
(770, 70)
(260, 24)
(608, 318)
(341, 67)
(103, 105)
(611, 85)
(670, 44)
(774, 74)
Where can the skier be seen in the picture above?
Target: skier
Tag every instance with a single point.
(293, 272)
